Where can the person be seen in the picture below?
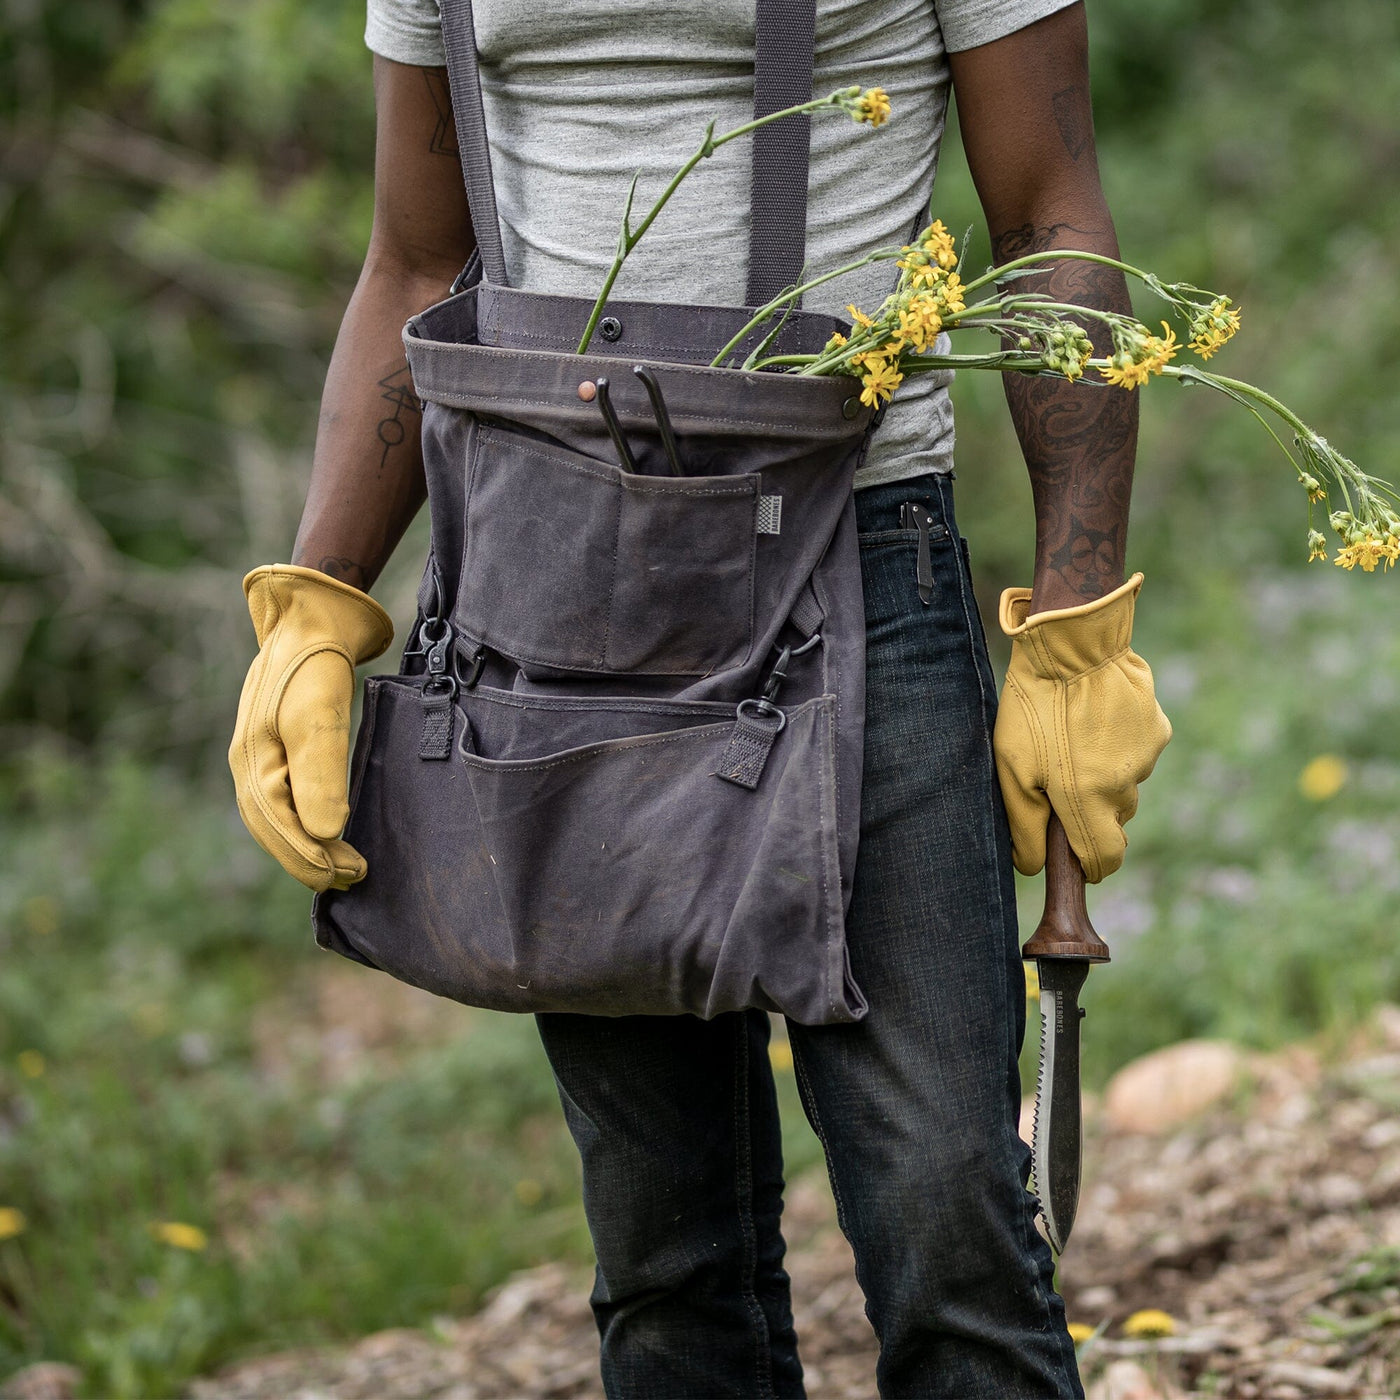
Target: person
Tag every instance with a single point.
(917, 1105)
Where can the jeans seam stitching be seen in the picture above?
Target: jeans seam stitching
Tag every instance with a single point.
(744, 1188)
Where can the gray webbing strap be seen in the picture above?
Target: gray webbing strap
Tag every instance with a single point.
(464, 79)
(784, 35)
(784, 38)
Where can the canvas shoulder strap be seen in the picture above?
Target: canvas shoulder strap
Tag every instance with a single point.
(785, 34)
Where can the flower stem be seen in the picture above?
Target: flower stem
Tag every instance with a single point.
(1052, 255)
(791, 295)
(629, 238)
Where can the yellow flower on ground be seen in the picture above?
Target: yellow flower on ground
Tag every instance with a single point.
(1214, 327)
(528, 1191)
(880, 380)
(1323, 778)
(1150, 1322)
(31, 1064)
(180, 1236)
(12, 1222)
(872, 107)
(1080, 1332)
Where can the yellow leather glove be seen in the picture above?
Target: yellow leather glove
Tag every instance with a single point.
(1078, 728)
(291, 742)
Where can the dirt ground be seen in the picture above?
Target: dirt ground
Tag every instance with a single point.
(1266, 1223)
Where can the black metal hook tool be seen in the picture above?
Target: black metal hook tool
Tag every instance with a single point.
(663, 418)
(609, 413)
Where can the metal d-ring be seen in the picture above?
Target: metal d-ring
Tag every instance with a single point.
(609, 413)
(663, 418)
(763, 707)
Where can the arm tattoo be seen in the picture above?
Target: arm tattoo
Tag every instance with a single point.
(391, 429)
(444, 138)
(339, 566)
(1080, 440)
(1073, 117)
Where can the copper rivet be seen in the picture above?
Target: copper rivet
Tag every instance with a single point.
(588, 391)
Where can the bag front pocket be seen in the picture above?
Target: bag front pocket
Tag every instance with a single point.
(572, 563)
(602, 867)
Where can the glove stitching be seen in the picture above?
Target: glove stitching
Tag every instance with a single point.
(1070, 792)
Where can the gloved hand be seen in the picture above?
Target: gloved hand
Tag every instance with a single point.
(291, 742)
(1078, 728)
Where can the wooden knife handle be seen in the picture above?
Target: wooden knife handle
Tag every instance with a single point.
(1064, 930)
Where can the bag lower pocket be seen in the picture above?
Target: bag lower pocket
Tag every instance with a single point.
(573, 563)
(578, 854)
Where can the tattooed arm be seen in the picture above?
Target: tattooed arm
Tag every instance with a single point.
(367, 475)
(1027, 125)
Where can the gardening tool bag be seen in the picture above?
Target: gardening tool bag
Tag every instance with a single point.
(619, 769)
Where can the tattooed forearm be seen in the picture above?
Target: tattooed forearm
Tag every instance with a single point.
(1079, 440)
(443, 141)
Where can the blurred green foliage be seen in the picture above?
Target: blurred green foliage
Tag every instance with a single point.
(185, 202)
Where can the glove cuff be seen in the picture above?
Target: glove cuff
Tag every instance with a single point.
(317, 604)
(1062, 643)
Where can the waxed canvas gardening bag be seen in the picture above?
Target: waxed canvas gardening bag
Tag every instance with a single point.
(619, 769)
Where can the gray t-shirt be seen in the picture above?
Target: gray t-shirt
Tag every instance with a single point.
(579, 96)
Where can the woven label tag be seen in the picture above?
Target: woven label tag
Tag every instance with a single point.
(770, 515)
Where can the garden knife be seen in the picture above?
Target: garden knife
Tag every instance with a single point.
(1063, 946)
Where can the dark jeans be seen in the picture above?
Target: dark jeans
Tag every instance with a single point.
(916, 1106)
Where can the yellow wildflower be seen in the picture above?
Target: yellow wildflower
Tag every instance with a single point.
(836, 342)
(1323, 778)
(1317, 545)
(1369, 552)
(872, 107)
(1150, 1322)
(31, 1064)
(951, 295)
(180, 1236)
(1080, 1332)
(1214, 327)
(1161, 348)
(880, 380)
(12, 1222)
(938, 244)
(1126, 372)
(1140, 356)
(919, 322)
(860, 318)
(1315, 489)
